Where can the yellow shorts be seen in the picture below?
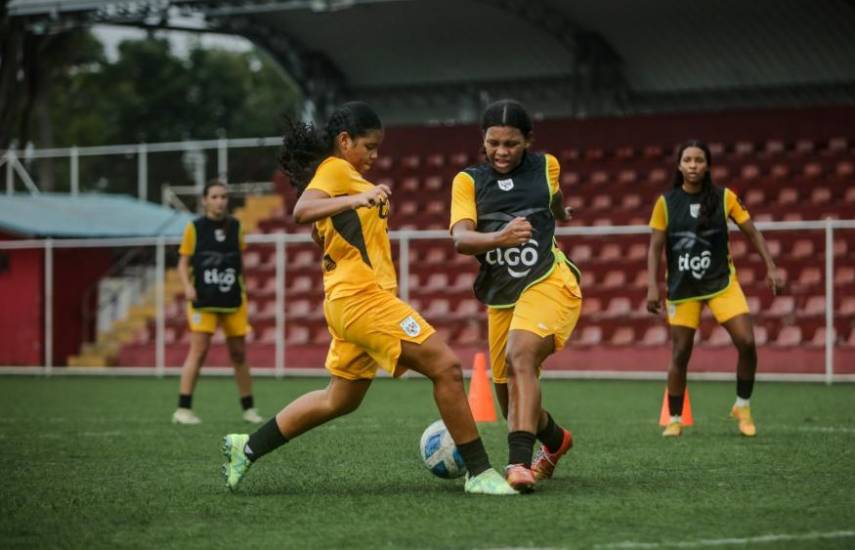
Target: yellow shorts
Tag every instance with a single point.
(367, 330)
(724, 307)
(234, 323)
(548, 308)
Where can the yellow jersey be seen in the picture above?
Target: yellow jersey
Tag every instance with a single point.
(357, 251)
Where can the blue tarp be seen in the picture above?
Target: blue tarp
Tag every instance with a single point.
(87, 215)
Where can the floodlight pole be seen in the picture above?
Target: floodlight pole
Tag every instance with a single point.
(222, 157)
(9, 158)
(142, 171)
(74, 155)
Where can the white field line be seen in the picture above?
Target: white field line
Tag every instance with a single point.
(762, 539)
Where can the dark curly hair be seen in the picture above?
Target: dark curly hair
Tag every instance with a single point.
(709, 199)
(304, 146)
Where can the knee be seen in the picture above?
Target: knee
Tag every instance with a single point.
(450, 371)
(238, 357)
(682, 353)
(745, 344)
(520, 362)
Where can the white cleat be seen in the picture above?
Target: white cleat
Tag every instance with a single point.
(185, 416)
(252, 416)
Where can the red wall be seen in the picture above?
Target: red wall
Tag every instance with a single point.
(21, 307)
(22, 302)
(75, 272)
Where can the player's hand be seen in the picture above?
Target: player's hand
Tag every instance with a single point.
(190, 293)
(654, 301)
(517, 232)
(774, 280)
(374, 196)
(568, 213)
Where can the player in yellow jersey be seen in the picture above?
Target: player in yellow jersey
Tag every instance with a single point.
(210, 269)
(503, 212)
(690, 222)
(371, 328)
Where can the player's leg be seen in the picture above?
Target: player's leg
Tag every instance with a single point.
(544, 318)
(352, 371)
(731, 310)
(435, 360)
(684, 319)
(235, 325)
(202, 326)
(498, 325)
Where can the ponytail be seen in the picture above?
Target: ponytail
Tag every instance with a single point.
(304, 146)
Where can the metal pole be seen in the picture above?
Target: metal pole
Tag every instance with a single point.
(160, 274)
(280, 306)
(48, 306)
(223, 157)
(75, 170)
(142, 171)
(404, 266)
(829, 301)
(10, 172)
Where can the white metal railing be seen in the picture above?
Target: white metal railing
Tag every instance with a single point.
(280, 241)
(12, 157)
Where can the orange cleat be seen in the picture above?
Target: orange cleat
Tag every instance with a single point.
(544, 462)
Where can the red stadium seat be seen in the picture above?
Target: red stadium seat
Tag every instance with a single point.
(781, 306)
(655, 336)
(820, 195)
(789, 336)
(788, 195)
(590, 336)
(623, 336)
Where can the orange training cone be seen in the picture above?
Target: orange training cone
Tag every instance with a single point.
(480, 394)
(665, 415)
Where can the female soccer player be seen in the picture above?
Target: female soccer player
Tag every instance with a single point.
(691, 219)
(503, 212)
(212, 246)
(370, 326)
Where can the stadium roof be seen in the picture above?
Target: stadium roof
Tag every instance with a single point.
(88, 215)
(586, 56)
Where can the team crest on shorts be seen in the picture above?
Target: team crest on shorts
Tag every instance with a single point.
(506, 185)
(411, 326)
(694, 209)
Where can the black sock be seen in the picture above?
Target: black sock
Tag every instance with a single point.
(185, 401)
(520, 445)
(675, 404)
(552, 435)
(266, 439)
(247, 402)
(474, 456)
(744, 387)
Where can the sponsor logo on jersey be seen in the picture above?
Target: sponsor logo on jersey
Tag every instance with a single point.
(697, 265)
(224, 279)
(519, 260)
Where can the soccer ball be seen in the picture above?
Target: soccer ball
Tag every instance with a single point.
(439, 453)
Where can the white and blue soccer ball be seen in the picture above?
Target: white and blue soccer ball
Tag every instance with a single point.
(439, 453)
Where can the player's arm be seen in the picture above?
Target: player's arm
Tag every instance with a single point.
(556, 205)
(471, 242)
(314, 204)
(654, 252)
(773, 277)
(184, 276)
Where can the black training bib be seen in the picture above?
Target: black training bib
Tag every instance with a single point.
(217, 264)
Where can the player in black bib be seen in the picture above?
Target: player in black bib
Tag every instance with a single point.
(211, 270)
(503, 212)
(690, 222)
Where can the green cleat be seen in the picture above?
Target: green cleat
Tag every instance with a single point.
(489, 482)
(237, 464)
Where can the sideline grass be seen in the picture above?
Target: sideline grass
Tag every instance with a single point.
(95, 463)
